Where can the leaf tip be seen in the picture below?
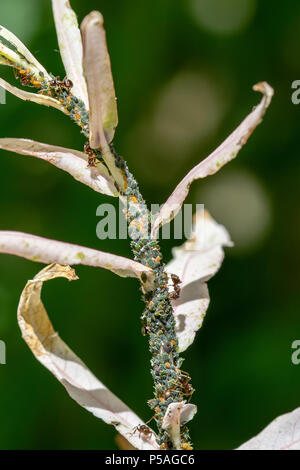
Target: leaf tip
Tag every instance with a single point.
(264, 88)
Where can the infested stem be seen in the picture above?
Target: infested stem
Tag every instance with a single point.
(170, 383)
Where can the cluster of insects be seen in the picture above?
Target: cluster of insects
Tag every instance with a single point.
(61, 91)
(171, 383)
(176, 285)
(27, 78)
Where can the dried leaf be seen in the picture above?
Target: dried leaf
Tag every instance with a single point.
(34, 97)
(70, 45)
(101, 91)
(44, 250)
(226, 152)
(73, 162)
(281, 434)
(177, 415)
(196, 261)
(51, 351)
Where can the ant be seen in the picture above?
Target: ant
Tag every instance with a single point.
(176, 293)
(143, 429)
(185, 385)
(92, 158)
(66, 83)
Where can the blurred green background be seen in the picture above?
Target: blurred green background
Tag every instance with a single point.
(183, 73)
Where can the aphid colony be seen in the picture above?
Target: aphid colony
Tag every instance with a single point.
(28, 78)
(170, 383)
(61, 90)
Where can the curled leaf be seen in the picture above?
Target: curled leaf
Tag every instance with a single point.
(70, 45)
(177, 415)
(34, 97)
(44, 250)
(73, 162)
(226, 152)
(281, 434)
(101, 91)
(195, 262)
(52, 352)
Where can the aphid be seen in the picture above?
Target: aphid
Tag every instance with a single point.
(167, 347)
(115, 423)
(143, 429)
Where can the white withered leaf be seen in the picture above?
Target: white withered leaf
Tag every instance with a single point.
(226, 152)
(195, 262)
(101, 91)
(52, 352)
(44, 250)
(16, 54)
(72, 161)
(281, 434)
(70, 45)
(177, 414)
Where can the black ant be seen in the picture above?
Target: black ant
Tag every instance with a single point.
(185, 385)
(91, 156)
(176, 293)
(66, 83)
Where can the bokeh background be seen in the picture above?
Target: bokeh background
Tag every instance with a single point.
(183, 73)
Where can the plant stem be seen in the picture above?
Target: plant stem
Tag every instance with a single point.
(170, 383)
